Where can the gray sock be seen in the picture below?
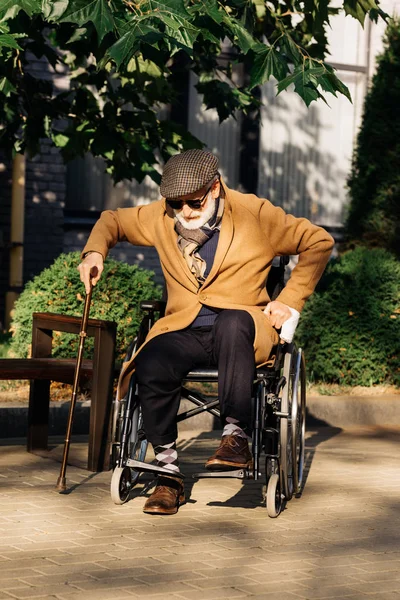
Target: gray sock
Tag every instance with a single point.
(232, 427)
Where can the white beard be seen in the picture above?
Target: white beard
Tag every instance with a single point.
(202, 215)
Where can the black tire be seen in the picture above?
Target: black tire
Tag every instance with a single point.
(134, 447)
(121, 484)
(138, 442)
(274, 496)
(285, 435)
(299, 421)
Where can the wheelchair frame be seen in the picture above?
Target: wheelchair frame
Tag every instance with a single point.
(279, 420)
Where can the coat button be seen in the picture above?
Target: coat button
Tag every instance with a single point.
(164, 328)
(203, 297)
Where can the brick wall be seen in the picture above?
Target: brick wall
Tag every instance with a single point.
(45, 190)
(44, 216)
(143, 256)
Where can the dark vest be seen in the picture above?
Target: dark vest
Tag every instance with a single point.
(207, 316)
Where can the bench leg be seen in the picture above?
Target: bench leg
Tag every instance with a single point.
(39, 394)
(100, 410)
(38, 415)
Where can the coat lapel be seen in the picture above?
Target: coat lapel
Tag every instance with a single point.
(225, 239)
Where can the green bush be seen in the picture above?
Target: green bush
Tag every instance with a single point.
(58, 289)
(350, 328)
(374, 183)
(4, 344)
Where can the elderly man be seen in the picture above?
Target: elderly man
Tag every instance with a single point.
(216, 247)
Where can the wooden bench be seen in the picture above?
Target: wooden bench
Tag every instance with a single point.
(41, 369)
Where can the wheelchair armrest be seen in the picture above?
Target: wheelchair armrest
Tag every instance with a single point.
(153, 305)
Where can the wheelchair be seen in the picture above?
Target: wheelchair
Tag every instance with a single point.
(279, 409)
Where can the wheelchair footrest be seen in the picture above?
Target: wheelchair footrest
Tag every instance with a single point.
(143, 467)
(236, 474)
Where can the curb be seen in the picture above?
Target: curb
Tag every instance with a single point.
(347, 411)
(14, 419)
(332, 411)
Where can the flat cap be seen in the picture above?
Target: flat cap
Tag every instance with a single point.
(188, 172)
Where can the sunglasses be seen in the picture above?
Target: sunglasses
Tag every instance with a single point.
(178, 204)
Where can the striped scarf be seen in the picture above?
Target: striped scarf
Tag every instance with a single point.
(190, 240)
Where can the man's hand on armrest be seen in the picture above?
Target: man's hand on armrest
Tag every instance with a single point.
(91, 260)
(283, 317)
(277, 313)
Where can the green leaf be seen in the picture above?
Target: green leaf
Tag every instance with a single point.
(331, 83)
(268, 62)
(305, 80)
(359, 8)
(149, 67)
(60, 140)
(96, 11)
(308, 93)
(10, 8)
(53, 9)
(129, 43)
(320, 14)
(245, 40)
(179, 30)
(18, 147)
(8, 41)
(79, 34)
(284, 83)
(209, 8)
(327, 85)
(29, 6)
(261, 9)
(291, 49)
(165, 8)
(6, 87)
(176, 18)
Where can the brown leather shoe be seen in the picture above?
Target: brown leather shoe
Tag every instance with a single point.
(233, 453)
(166, 498)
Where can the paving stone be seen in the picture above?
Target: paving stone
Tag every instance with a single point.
(270, 587)
(377, 586)
(329, 591)
(384, 566)
(339, 540)
(227, 592)
(34, 592)
(120, 594)
(275, 596)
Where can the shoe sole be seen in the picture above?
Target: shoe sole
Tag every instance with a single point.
(166, 511)
(216, 464)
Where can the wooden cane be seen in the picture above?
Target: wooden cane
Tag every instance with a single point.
(61, 485)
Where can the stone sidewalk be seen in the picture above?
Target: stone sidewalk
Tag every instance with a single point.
(339, 540)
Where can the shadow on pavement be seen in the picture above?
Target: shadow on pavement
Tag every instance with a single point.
(251, 493)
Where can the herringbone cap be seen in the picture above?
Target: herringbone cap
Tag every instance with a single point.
(188, 172)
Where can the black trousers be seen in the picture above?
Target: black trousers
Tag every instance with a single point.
(166, 359)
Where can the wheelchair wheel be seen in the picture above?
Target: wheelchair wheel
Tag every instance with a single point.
(121, 484)
(124, 478)
(138, 442)
(274, 496)
(298, 421)
(285, 437)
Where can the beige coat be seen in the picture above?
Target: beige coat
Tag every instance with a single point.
(253, 232)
